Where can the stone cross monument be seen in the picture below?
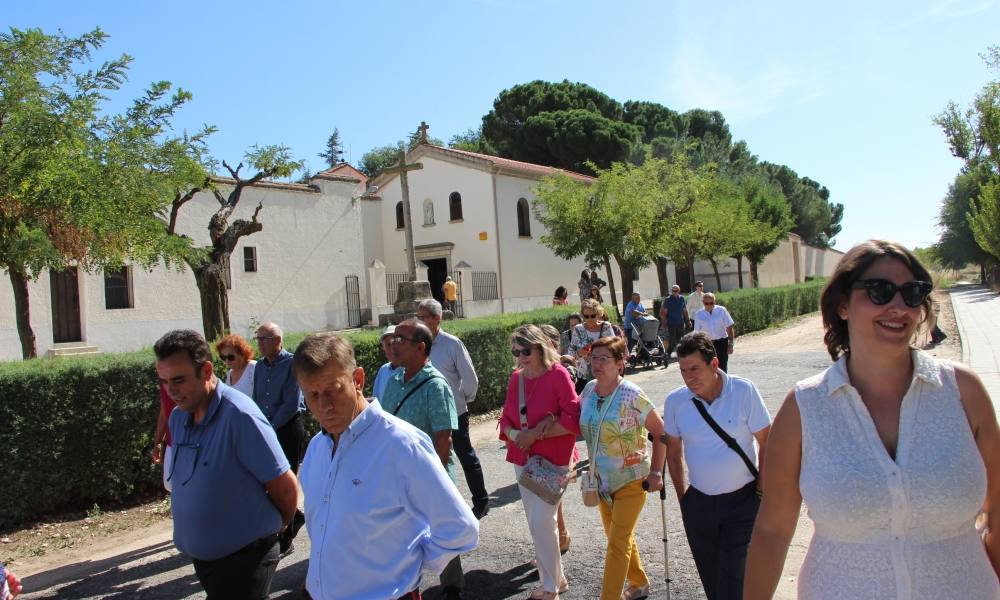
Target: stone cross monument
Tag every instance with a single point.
(404, 185)
(410, 293)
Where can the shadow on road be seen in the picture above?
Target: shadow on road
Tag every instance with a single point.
(484, 585)
(111, 580)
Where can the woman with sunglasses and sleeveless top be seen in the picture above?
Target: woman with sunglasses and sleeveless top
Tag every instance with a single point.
(615, 416)
(550, 427)
(585, 334)
(238, 356)
(894, 452)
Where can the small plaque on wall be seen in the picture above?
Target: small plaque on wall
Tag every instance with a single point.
(482, 236)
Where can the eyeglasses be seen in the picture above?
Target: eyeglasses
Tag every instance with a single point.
(398, 339)
(196, 448)
(601, 358)
(709, 303)
(882, 291)
(516, 352)
(589, 315)
(265, 338)
(227, 357)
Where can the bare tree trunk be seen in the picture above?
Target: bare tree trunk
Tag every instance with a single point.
(22, 311)
(739, 269)
(611, 286)
(214, 300)
(627, 273)
(754, 278)
(715, 269)
(661, 276)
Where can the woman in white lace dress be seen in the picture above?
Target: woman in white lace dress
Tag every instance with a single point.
(895, 453)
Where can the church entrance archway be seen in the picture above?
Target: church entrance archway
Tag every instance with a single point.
(437, 270)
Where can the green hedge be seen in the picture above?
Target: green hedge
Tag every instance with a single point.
(79, 430)
(754, 309)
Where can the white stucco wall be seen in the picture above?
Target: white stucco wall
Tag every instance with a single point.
(309, 243)
(818, 262)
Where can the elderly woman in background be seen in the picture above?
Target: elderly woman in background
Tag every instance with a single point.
(585, 334)
(616, 414)
(551, 424)
(238, 356)
(894, 452)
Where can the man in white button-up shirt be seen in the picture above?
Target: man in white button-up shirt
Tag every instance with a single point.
(718, 324)
(379, 504)
(720, 505)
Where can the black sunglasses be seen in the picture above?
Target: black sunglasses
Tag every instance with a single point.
(882, 291)
(227, 357)
(516, 352)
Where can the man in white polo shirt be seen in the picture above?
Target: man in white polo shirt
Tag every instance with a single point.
(720, 505)
(718, 324)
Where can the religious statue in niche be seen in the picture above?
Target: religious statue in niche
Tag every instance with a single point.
(428, 212)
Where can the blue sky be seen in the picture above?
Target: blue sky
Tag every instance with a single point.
(842, 93)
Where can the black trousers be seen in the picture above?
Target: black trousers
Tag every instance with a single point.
(718, 530)
(676, 332)
(291, 436)
(722, 351)
(243, 575)
(462, 444)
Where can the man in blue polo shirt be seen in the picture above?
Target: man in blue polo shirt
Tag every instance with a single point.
(633, 309)
(233, 491)
(276, 392)
(675, 316)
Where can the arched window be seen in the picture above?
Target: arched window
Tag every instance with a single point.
(400, 222)
(523, 219)
(455, 206)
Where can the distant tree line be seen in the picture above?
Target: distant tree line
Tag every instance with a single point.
(970, 212)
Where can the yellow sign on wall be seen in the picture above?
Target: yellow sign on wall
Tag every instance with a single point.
(482, 236)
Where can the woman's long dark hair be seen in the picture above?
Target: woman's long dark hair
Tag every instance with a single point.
(850, 269)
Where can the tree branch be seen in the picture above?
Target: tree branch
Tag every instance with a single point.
(179, 201)
(235, 173)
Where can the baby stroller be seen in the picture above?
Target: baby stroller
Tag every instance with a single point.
(649, 349)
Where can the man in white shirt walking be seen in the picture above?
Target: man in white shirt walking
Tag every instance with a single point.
(718, 324)
(451, 358)
(694, 300)
(720, 505)
(380, 507)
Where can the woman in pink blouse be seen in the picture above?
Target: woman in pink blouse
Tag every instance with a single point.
(553, 422)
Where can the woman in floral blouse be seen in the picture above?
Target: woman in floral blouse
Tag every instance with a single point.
(616, 415)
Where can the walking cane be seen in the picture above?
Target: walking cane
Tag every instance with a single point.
(663, 519)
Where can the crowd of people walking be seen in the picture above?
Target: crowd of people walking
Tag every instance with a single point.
(895, 454)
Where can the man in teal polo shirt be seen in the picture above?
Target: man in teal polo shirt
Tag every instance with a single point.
(233, 491)
(420, 395)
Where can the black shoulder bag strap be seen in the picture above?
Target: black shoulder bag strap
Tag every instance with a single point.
(728, 439)
(411, 392)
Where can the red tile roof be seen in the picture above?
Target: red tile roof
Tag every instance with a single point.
(513, 165)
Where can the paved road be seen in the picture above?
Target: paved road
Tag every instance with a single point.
(977, 313)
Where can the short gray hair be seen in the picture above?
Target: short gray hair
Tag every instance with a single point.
(273, 328)
(432, 306)
(708, 295)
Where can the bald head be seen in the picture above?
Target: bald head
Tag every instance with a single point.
(269, 338)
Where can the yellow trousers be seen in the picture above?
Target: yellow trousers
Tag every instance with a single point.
(622, 560)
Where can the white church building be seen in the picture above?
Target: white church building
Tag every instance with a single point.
(473, 220)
